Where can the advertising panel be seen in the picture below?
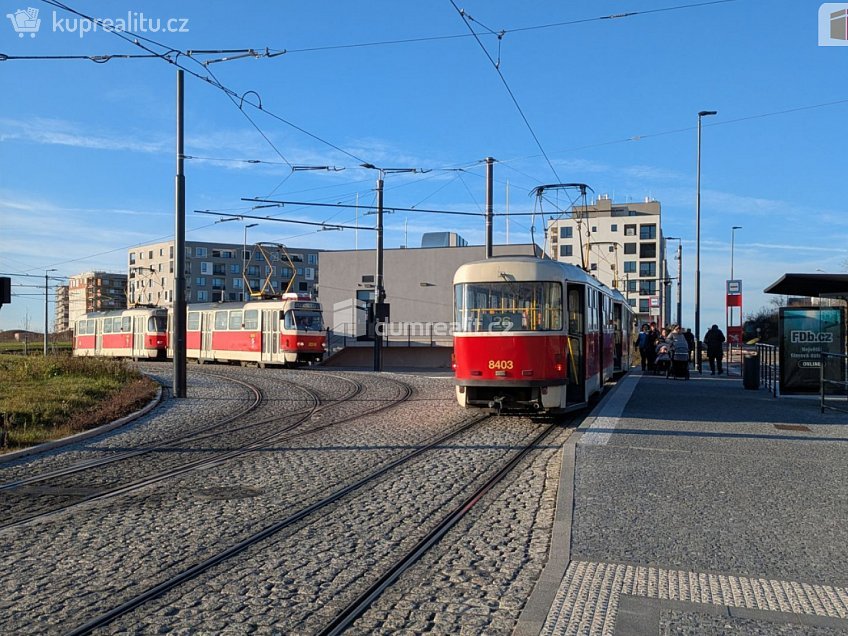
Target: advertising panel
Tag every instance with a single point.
(806, 332)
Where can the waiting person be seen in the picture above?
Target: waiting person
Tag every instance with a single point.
(678, 341)
(715, 348)
(653, 337)
(690, 341)
(642, 345)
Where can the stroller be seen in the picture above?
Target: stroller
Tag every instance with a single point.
(663, 361)
(679, 365)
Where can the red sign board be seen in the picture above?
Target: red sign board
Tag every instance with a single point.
(734, 335)
(734, 300)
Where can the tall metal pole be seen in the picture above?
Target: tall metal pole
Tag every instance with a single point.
(680, 283)
(489, 205)
(178, 336)
(701, 114)
(379, 292)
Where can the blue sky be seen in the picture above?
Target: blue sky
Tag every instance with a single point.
(87, 150)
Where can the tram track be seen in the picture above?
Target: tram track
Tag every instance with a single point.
(280, 428)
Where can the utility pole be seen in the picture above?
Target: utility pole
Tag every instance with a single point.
(489, 205)
(379, 291)
(178, 335)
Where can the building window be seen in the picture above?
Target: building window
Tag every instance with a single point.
(647, 287)
(644, 305)
(132, 258)
(171, 252)
(648, 231)
(629, 267)
(252, 270)
(566, 232)
(303, 287)
(593, 267)
(150, 255)
(312, 259)
(565, 250)
(300, 271)
(205, 267)
(217, 283)
(200, 251)
(630, 248)
(647, 268)
(647, 250)
(614, 227)
(309, 273)
(285, 272)
(630, 230)
(235, 268)
(200, 281)
(594, 228)
(632, 285)
(632, 302)
(202, 295)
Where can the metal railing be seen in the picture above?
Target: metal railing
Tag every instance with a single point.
(769, 367)
(834, 371)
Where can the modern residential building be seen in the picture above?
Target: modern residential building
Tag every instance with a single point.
(62, 319)
(622, 245)
(218, 271)
(95, 291)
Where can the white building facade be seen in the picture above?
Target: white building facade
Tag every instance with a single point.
(622, 245)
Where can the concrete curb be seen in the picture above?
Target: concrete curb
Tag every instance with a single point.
(105, 428)
(536, 610)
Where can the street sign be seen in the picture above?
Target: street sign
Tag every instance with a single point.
(734, 287)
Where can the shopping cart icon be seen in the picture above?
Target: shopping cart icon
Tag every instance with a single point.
(25, 21)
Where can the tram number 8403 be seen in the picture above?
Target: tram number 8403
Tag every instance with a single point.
(505, 365)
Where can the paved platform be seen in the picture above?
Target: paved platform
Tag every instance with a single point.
(700, 507)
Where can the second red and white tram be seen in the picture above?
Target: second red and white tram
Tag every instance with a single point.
(536, 334)
(286, 331)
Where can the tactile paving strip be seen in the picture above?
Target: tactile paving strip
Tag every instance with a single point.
(587, 601)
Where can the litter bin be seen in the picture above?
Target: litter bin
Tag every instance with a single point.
(751, 371)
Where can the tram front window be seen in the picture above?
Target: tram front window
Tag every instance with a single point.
(304, 320)
(509, 306)
(156, 323)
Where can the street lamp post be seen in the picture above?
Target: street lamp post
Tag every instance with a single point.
(701, 114)
(46, 271)
(732, 240)
(679, 259)
(245, 260)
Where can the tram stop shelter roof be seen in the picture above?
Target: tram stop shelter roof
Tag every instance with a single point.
(813, 285)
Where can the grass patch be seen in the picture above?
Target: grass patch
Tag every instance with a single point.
(42, 399)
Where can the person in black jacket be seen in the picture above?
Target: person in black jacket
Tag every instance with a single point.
(690, 343)
(715, 350)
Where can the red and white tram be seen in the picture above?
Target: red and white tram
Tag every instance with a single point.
(124, 333)
(535, 334)
(286, 331)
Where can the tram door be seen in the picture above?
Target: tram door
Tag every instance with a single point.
(138, 335)
(576, 389)
(207, 321)
(618, 355)
(270, 334)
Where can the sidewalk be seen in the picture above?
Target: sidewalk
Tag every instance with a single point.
(703, 508)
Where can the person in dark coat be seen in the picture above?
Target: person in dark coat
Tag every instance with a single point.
(642, 345)
(653, 337)
(690, 342)
(715, 350)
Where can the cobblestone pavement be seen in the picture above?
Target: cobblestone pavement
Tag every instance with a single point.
(296, 582)
(700, 496)
(58, 575)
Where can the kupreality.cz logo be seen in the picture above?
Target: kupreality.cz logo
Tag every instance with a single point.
(27, 21)
(833, 24)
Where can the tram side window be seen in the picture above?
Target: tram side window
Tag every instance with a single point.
(235, 320)
(509, 306)
(193, 321)
(288, 320)
(221, 321)
(251, 319)
(126, 324)
(107, 325)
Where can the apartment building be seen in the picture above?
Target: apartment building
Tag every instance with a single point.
(93, 291)
(217, 272)
(61, 320)
(620, 244)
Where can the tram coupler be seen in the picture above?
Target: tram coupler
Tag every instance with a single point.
(497, 404)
